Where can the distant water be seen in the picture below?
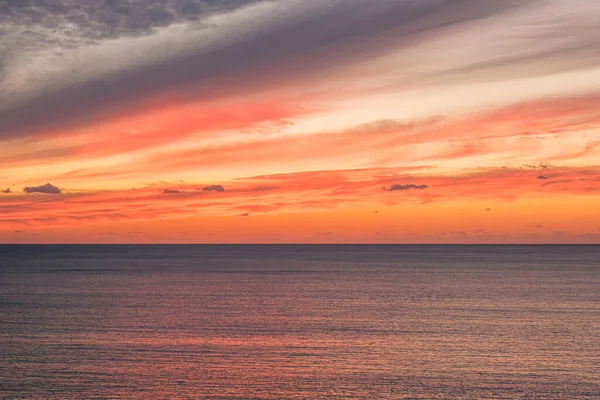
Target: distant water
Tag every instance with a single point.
(299, 322)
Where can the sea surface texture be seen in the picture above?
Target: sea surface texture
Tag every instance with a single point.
(299, 322)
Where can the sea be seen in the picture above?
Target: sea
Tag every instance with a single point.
(299, 322)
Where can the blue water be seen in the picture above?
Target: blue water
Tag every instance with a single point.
(299, 322)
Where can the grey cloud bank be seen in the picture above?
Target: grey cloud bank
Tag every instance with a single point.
(101, 57)
(117, 54)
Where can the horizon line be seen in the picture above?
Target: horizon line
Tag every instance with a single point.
(300, 244)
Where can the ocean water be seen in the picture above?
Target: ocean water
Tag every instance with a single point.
(299, 322)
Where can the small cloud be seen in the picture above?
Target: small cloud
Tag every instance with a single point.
(324, 233)
(256, 208)
(214, 188)
(488, 209)
(559, 182)
(542, 177)
(244, 215)
(135, 233)
(534, 226)
(171, 191)
(457, 233)
(47, 189)
(18, 231)
(539, 166)
(481, 232)
(394, 188)
(7, 191)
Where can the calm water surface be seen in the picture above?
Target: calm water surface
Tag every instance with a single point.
(299, 322)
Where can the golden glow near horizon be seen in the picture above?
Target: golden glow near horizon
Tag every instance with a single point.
(287, 121)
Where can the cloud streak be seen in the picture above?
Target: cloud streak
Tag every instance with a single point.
(298, 192)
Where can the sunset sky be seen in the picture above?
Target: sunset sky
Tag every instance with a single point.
(294, 121)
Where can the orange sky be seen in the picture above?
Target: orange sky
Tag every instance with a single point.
(328, 122)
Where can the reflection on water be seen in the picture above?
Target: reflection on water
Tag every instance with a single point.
(296, 322)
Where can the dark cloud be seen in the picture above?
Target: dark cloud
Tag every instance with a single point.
(47, 189)
(18, 231)
(268, 44)
(171, 191)
(543, 177)
(411, 186)
(7, 191)
(214, 188)
(488, 209)
(244, 215)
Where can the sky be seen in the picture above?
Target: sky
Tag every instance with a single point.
(294, 121)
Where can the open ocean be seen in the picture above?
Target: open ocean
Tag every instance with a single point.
(299, 322)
